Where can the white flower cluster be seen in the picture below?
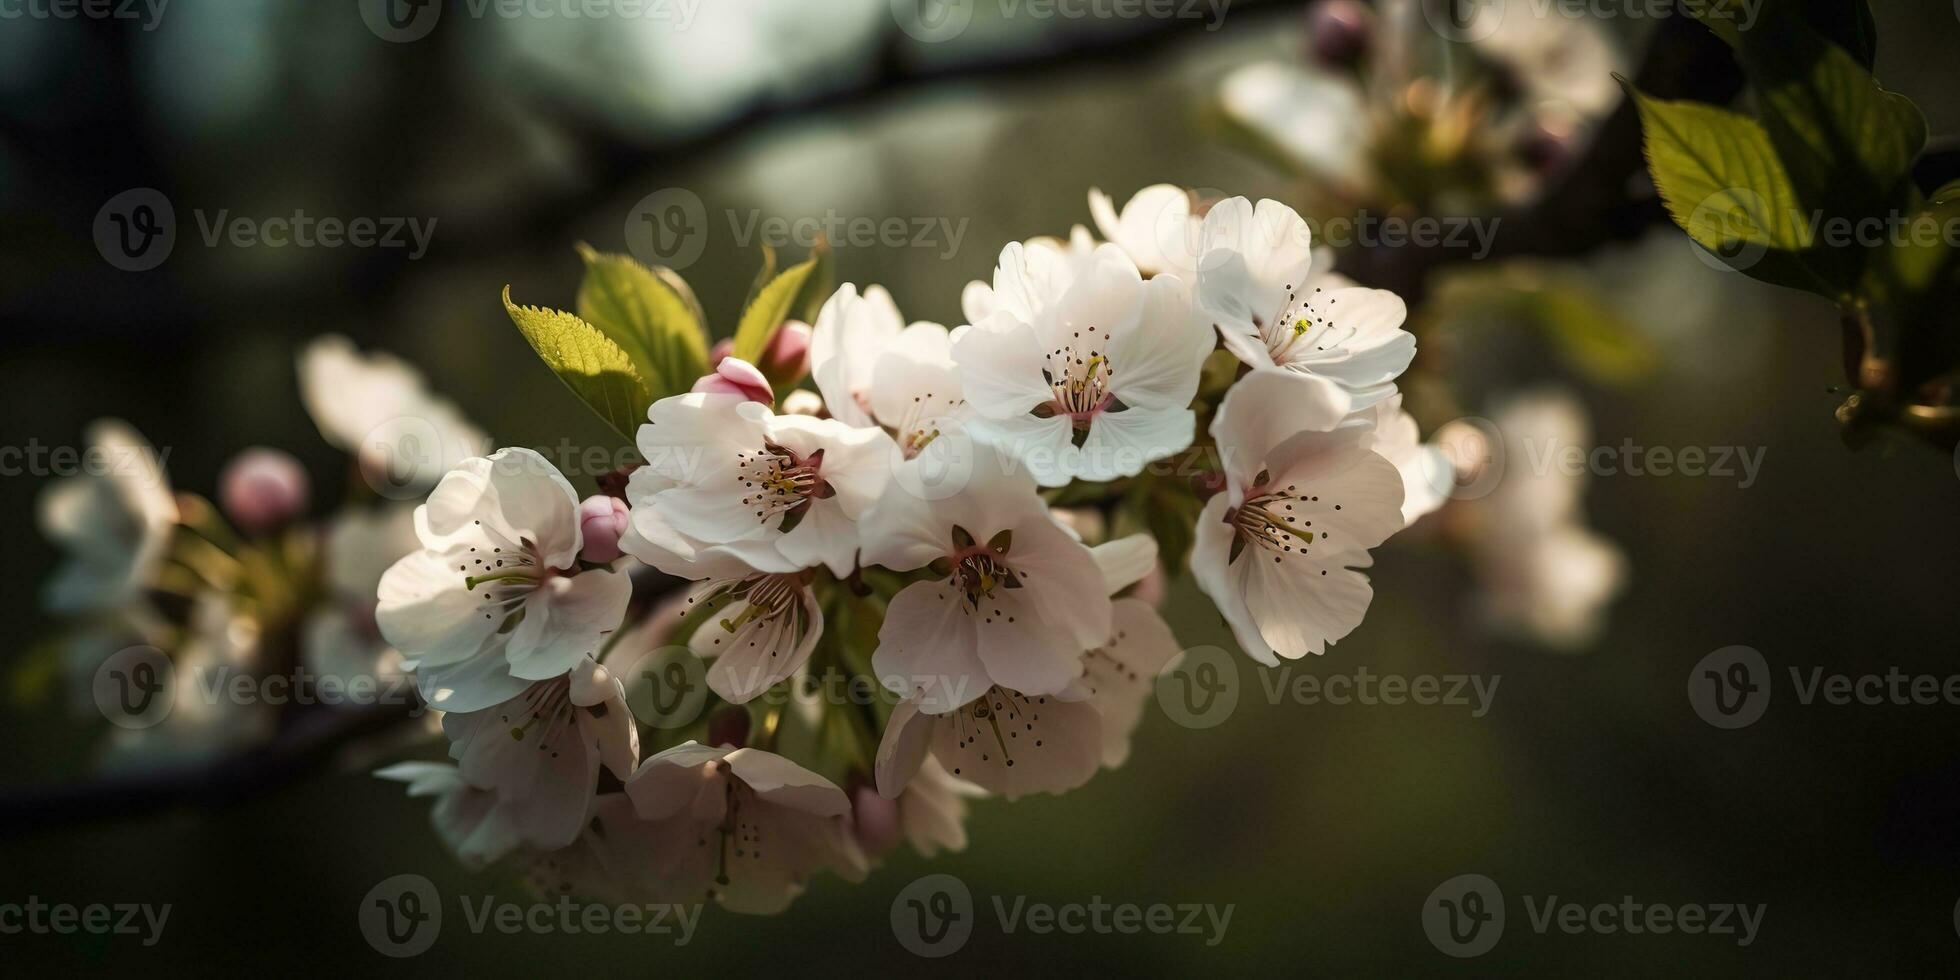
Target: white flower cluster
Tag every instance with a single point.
(902, 528)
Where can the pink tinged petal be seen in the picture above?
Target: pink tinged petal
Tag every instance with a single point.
(1156, 365)
(734, 376)
(1125, 561)
(1020, 650)
(1122, 673)
(908, 736)
(977, 301)
(1043, 447)
(784, 783)
(1246, 345)
(763, 651)
(1025, 744)
(1264, 409)
(1351, 497)
(1000, 362)
(1155, 227)
(825, 536)
(933, 810)
(425, 611)
(565, 619)
(1104, 302)
(468, 685)
(604, 720)
(1298, 609)
(528, 499)
(669, 782)
(1123, 443)
(1211, 568)
(695, 437)
(928, 648)
(1061, 579)
(902, 531)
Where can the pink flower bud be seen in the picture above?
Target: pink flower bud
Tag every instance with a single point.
(734, 376)
(720, 351)
(874, 820)
(787, 358)
(601, 519)
(1339, 32)
(262, 490)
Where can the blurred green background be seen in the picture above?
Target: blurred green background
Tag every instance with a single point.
(1325, 827)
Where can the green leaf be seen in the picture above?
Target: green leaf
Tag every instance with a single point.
(1847, 141)
(647, 318)
(763, 276)
(588, 362)
(798, 292)
(1719, 176)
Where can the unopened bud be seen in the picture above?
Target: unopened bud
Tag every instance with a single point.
(787, 358)
(720, 351)
(874, 820)
(734, 376)
(263, 490)
(601, 520)
(1339, 32)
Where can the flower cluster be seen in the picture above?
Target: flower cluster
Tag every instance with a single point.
(929, 520)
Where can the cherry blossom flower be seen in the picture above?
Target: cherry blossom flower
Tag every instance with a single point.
(377, 407)
(1083, 369)
(1014, 601)
(114, 526)
(473, 823)
(1012, 743)
(724, 471)
(540, 750)
(1545, 574)
(1304, 501)
(741, 826)
(873, 370)
(1427, 476)
(341, 637)
(495, 594)
(1255, 279)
